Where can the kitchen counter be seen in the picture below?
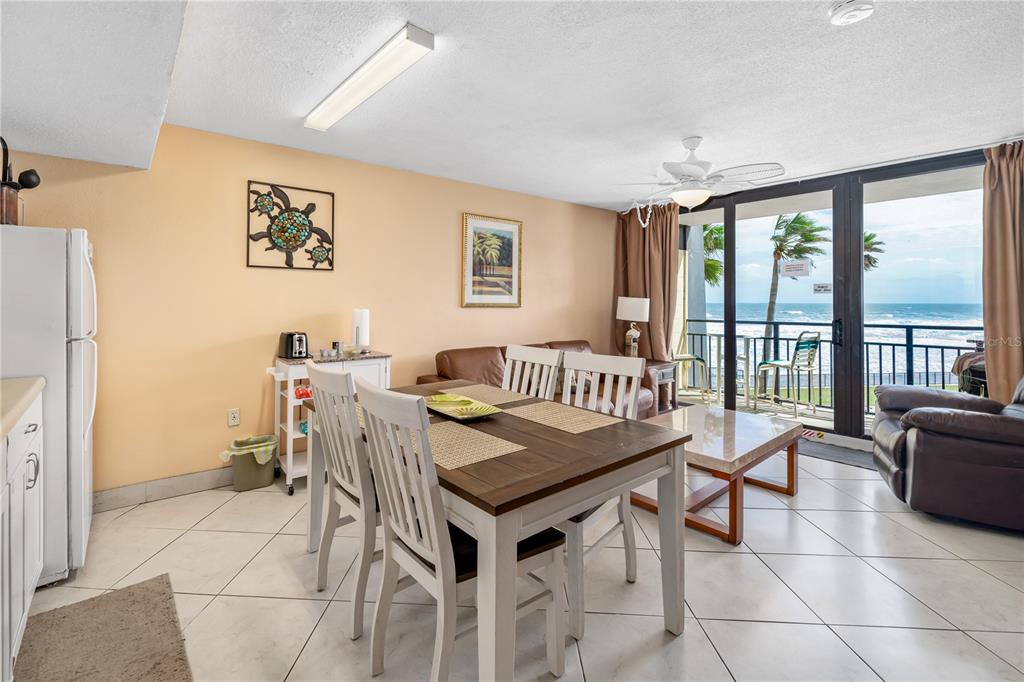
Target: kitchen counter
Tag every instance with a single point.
(16, 396)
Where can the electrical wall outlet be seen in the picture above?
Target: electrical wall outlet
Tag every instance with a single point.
(234, 417)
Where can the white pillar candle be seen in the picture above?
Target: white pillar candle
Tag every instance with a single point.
(361, 327)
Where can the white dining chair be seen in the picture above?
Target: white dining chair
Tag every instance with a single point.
(434, 553)
(531, 371)
(350, 494)
(609, 384)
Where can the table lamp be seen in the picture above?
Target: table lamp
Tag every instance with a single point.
(633, 310)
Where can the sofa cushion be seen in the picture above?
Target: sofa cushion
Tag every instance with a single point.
(575, 346)
(890, 437)
(482, 364)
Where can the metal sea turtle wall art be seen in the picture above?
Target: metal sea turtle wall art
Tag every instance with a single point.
(276, 221)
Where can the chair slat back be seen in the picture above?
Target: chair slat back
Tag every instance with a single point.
(604, 383)
(334, 395)
(405, 474)
(531, 371)
(806, 351)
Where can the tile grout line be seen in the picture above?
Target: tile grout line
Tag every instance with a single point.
(861, 558)
(982, 569)
(713, 646)
(990, 650)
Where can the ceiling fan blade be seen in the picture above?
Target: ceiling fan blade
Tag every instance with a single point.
(643, 184)
(681, 170)
(751, 172)
(726, 187)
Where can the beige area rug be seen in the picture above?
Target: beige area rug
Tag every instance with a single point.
(129, 634)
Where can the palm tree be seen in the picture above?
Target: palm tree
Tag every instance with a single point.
(795, 237)
(486, 249)
(871, 247)
(714, 244)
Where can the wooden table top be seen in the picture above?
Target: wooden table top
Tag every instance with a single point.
(553, 459)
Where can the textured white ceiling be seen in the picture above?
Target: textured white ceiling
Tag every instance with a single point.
(87, 80)
(566, 99)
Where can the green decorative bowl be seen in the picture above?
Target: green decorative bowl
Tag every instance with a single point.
(460, 408)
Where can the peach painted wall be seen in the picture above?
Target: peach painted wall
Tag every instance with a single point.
(186, 329)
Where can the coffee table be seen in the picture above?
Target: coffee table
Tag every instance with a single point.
(728, 444)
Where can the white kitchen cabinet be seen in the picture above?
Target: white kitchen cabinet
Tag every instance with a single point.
(22, 528)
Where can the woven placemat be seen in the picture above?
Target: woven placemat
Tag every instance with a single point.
(489, 395)
(563, 417)
(454, 445)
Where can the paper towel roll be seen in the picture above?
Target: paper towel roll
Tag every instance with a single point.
(361, 326)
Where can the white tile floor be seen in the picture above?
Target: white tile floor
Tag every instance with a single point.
(841, 582)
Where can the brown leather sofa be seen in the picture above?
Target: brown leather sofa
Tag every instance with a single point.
(951, 453)
(486, 365)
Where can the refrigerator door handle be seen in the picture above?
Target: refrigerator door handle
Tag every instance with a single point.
(92, 285)
(95, 383)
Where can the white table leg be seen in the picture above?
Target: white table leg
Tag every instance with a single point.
(496, 595)
(314, 485)
(670, 528)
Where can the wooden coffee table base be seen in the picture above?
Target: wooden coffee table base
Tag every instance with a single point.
(732, 484)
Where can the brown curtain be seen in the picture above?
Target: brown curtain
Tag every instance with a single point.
(1003, 268)
(646, 266)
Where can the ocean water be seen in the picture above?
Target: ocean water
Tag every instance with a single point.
(951, 316)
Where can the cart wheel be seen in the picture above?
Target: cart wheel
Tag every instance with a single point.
(277, 472)
(291, 490)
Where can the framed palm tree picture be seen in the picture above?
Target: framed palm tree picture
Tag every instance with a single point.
(492, 264)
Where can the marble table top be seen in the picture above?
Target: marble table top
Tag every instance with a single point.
(372, 355)
(727, 440)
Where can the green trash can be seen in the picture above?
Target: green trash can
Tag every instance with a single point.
(252, 461)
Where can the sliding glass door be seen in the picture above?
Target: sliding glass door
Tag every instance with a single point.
(799, 299)
(922, 282)
(784, 307)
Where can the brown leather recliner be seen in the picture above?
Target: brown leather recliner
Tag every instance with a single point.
(951, 453)
(486, 365)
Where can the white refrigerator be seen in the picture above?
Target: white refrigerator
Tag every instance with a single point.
(47, 325)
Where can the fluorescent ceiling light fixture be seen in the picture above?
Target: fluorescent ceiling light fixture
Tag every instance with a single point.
(688, 197)
(406, 48)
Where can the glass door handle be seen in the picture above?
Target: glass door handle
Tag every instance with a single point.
(837, 332)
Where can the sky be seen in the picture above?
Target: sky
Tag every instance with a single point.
(932, 254)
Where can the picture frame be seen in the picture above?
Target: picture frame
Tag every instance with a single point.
(289, 227)
(492, 264)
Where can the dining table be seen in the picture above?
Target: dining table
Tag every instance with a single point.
(557, 472)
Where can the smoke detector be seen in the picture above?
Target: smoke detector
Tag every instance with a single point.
(846, 12)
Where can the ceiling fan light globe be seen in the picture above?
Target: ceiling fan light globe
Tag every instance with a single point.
(690, 197)
(846, 12)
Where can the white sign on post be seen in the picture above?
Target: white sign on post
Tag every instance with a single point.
(795, 268)
(823, 287)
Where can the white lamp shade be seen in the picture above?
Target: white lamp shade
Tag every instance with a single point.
(633, 309)
(688, 198)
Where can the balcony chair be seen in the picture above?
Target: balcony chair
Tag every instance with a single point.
(350, 494)
(701, 371)
(434, 553)
(804, 355)
(609, 384)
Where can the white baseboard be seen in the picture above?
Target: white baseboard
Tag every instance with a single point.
(161, 488)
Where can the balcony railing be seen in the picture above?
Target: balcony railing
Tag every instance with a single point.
(916, 358)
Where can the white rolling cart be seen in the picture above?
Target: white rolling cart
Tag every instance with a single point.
(288, 411)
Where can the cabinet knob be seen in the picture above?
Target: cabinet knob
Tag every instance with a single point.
(31, 428)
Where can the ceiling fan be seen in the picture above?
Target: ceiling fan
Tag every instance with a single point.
(694, 181)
